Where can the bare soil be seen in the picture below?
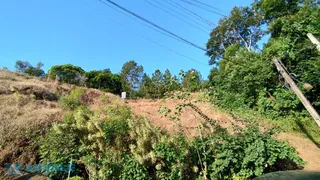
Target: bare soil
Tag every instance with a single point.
(307, 150)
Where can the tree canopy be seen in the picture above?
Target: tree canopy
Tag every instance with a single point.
(67, 73)
(26, 67)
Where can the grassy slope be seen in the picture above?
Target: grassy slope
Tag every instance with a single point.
(308, 151)
(28, 107)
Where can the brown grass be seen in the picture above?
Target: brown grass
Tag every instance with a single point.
(307, 150)
(29, 104)
(21, 111)
(189, 118)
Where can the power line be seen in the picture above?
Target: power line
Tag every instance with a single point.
(193, 14)
(153, 24)
(209, 6)
(141, 22)
(188, 2)
(177, 17)
(163, 46)
(180, 13)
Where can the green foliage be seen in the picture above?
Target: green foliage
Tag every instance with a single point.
(158, 85)
(104, 80)
(191, 80)
(67, 73)
(60, 148)
(246, 79)
(145, 135)
(241, 27)
(98, 140)
(73, 100)
(131, 76)
(251, 153)
(75, 178)
(241, 77)
(175, 158)
(281, 102)
(133, 170)
(272, 9)
(26, 67)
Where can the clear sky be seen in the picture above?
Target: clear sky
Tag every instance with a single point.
(80, 32)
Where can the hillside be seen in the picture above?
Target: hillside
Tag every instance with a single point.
(30, 106)
(149, 108)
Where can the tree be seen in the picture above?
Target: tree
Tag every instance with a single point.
(26, 67)
(272, 9)
(104, 80)
(243, 75)
(191, 80)
(131, 76)
(242, 27)
(158, 81)
(21, 66)
(147, 87)
(171, 82)
(67, 73)
(290, 44)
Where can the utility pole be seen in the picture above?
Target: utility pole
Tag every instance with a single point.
(297, 91)
(314, 40)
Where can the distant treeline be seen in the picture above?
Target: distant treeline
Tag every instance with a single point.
(131, 79)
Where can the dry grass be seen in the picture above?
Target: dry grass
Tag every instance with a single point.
(20, 110)
(307, 150)
(30, 105)
(189, 118)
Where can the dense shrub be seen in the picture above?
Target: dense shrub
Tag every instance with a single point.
(73, 100)
(251, 153)
(112, 144)
(60, 148)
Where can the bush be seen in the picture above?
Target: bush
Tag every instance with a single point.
(73, 100)
(75, 178)
(251, 153)
(60, 148)
(133, 170)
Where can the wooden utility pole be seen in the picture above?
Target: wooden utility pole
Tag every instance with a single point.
(314, 40)
(297, 91)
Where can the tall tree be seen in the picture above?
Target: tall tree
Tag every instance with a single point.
(158, 81)
(131, 76)
(242, 27)
(147, 87)
(171, 82)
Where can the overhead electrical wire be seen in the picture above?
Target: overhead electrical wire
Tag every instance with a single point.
(190, 3)
(163, 46)
(141, 22)
(155, 25)
(177, 17)
(181, 14)
(191, 13)
(207, 5)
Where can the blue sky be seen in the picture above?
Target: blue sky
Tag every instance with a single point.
(80, 32)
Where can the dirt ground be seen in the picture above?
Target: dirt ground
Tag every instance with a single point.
(307, 150)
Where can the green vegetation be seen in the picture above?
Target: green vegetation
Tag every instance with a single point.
(67, 73)
(245, 79)
(25, 67)
(112, 143)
